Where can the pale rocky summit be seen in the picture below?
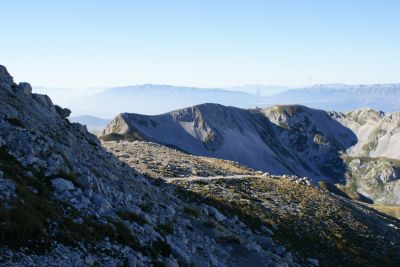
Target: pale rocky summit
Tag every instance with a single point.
(212, 130)
(284, 139)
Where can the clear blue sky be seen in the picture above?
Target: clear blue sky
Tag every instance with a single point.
(201, 43)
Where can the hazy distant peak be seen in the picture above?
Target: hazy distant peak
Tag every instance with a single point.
(162, 88)
(259, 89)
(341, 86)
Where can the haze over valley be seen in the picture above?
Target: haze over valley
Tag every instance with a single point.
(152, 99)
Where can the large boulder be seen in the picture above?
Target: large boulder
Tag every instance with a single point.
(26, 88)
(63, 112)
(6, 80)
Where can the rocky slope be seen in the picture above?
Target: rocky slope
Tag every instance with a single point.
(159, 161)
(280, 140)
(310, 222)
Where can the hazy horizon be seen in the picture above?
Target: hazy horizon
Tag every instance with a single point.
(202, 44)
(151, 99)
(74, 51)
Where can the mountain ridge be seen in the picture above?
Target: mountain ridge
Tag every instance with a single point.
(283, 139)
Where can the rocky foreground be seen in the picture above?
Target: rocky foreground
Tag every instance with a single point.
(159, 161)
(305, 218)
(66, 201)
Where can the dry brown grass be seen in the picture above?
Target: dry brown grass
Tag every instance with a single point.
(310, 221)
(391, 210)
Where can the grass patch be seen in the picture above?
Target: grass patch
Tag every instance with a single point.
(391, 210)
(15, 122)
(160, 247)
(344, 191)
(132, 217)
(124, 235)
(147, 206)
(230, 239)
(21, 227)
(192, 211)
(26, 220)
(165, 228)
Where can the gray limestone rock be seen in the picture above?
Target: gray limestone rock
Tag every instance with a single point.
(26, 88)
(61, 184)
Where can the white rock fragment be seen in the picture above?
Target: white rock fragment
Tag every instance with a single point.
(313, 262)
(61, 184)
(101, 202)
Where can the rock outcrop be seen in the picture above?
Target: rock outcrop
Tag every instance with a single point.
(378, 133)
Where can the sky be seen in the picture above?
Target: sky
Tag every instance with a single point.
(204, 43)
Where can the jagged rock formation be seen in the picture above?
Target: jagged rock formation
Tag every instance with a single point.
(315, 137)
(358, 149)
(375, 178)
(280, 140)
(378, 133)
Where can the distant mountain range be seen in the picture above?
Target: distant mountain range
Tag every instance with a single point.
(260, 89)
(360, 149)
(341, 97)
(93, 124)
(156, 99)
